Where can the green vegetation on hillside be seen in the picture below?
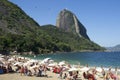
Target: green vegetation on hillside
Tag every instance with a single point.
(72, 41)
(20, 32)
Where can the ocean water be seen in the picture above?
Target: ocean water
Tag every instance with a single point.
(105, 59)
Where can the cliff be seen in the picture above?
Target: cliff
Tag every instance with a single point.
(68, 21)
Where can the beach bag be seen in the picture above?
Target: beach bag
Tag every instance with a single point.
(1, 71)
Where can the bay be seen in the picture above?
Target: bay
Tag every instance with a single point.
(105, 59)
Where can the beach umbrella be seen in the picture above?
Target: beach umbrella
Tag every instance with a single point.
(99, 69)
(18, 63)
(52, 64)
(73, 69)
(32, 60)
(61, 63)
(11, 59)
(2, 59)
(2, 56)
(51, 61)
(46, 59)
(21, 57)
(85, 69)
(27, 64)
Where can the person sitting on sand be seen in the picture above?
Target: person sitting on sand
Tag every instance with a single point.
(18, 68)
(29, 73)
(9, 68)
(112, 76)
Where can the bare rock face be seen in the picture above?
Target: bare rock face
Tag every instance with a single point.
(67, 21)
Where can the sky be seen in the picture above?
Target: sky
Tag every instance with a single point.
(101, 18)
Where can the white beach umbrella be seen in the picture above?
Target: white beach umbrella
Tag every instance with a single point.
(85, 69)
(18, 63)
(32, 60)
(52, 64)
(21, 57)
(11, 59)
(99, 69)
(73, 69)
(46, 59)
(61, 63)
(2, 56)
(27, 64)
(51, 61)
(2, 59)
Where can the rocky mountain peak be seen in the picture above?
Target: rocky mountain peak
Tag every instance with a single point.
(68, 21)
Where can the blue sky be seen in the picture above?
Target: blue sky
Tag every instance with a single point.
(101, 18)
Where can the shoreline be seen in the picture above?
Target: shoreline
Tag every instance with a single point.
(50, 73)
(55, 56)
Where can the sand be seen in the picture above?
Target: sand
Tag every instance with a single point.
(17, 76)
(51, 75)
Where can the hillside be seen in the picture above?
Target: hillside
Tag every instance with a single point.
(21, 33)
(114, 48)
(70, 40)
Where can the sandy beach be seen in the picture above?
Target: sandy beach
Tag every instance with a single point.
(17, 76)
(51, 70)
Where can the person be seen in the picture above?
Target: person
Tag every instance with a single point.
(22, 70)
(45, 71)
(75, 75)
(25, 70)
(9, 69)
(60, 74)
(116, 71)
(1, 70)
(84, 75)
(40, 71)
(35, 71)
(64, 76)
(18, 68)
(91, 77)
(103, 72)
(107, 77)
(29, 73)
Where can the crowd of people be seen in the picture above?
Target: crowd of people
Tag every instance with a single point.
(18, 65)
(105, 75)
